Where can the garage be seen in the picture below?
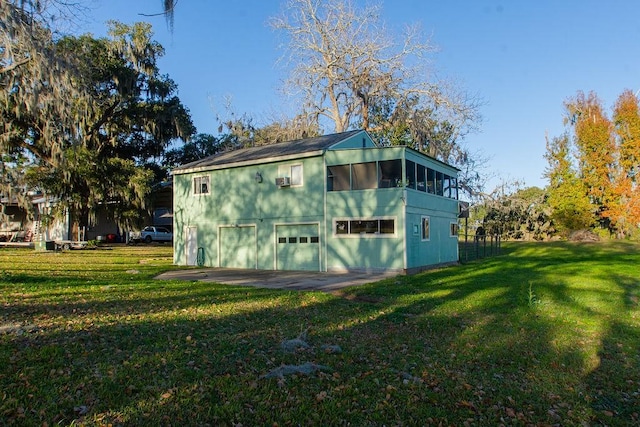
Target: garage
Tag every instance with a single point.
(298, 247)
(238, 247)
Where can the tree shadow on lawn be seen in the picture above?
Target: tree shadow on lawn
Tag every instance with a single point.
(613, 388)
(452, 345)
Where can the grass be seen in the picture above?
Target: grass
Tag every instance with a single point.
(544, 334)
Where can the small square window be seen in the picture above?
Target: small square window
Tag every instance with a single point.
(304, 239)
(293, 172)
(293, 239)
(282, 240)
(201, 185)
(387, 226)
(342, 227)
(315, 239)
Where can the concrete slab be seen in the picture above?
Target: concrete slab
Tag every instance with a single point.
(290, 280)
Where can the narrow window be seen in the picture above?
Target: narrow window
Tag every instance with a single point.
(446, 186)
(431, 181)
(425, 228)
(454, 188)
(439, 183)
(296, 175)
(410, 177)
(421, 183)
(454, 229)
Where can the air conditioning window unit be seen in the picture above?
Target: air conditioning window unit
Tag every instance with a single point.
(284, 181)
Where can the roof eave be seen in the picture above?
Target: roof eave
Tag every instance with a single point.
(273, 159)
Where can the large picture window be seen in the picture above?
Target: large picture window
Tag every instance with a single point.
(201, 185)
(367, 227)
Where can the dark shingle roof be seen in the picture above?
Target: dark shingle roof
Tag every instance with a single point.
(280, 149)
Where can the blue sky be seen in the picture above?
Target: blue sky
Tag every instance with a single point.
(523, 58)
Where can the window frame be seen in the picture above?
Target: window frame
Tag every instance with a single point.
(425, 237)
(453, 233)
(197, 187)
(286, 171)
(410, 174)
(376, 235)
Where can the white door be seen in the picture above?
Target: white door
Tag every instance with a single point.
(191, 245)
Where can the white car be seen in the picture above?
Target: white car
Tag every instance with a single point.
(152, 234)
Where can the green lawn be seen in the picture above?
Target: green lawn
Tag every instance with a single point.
(543, 334)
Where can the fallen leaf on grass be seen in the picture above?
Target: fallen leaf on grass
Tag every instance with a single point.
(466, 404)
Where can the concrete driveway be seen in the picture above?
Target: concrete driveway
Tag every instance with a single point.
(291, 280)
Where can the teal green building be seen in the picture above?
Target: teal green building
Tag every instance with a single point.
(331, 203)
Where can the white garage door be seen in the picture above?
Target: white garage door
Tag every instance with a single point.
(298, 247)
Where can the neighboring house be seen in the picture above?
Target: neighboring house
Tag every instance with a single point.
(17, 225)
(40, 226)
(330, 203)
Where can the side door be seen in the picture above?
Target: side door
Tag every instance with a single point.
(191, 245)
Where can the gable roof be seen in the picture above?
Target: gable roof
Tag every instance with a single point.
(298, 148)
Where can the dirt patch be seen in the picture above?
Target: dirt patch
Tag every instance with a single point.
(584, 236)
(358, 298)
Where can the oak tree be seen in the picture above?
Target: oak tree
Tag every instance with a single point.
(90, 116)
(347, 71)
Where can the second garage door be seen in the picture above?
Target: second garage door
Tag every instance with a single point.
(298, 247)
(238, 247)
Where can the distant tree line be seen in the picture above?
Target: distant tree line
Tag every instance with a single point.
(594, 168)
(594, 178)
